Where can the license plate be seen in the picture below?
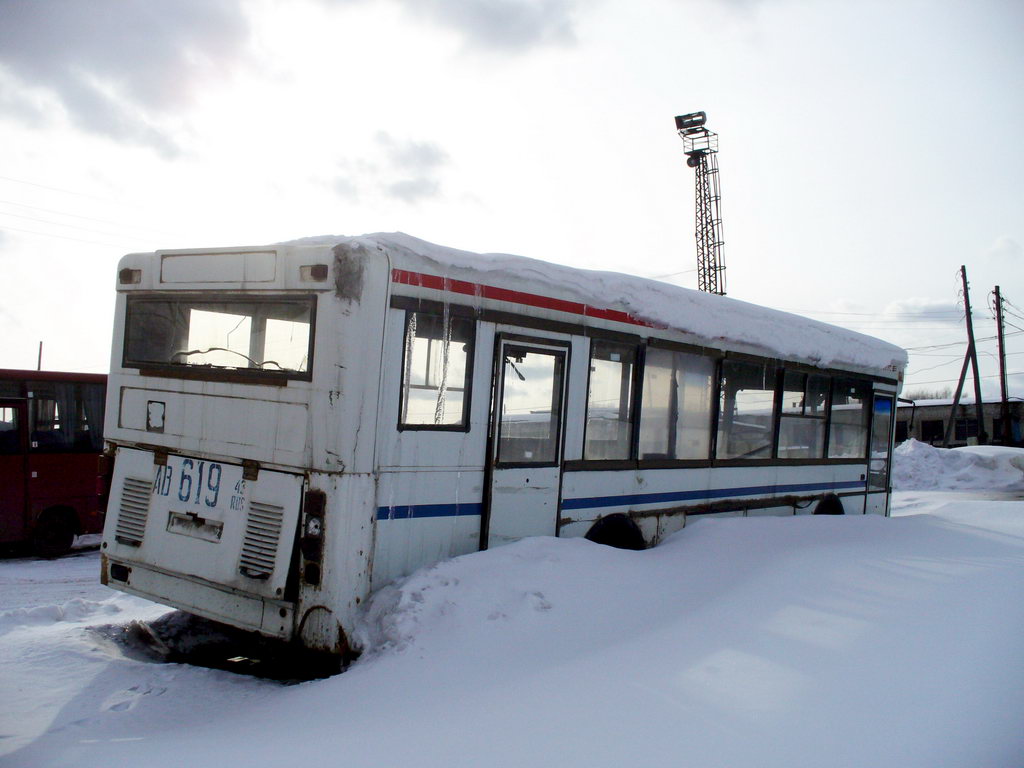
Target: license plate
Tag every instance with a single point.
(197, 487)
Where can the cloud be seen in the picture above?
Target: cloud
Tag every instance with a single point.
(346, 188)
(1006, 249)
(411, 156)
(417, 163)
(508, 26)
(932, 310)
(413, 190)
(401, 169)
(118, 66)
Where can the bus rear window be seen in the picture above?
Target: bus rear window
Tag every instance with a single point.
(265, 335)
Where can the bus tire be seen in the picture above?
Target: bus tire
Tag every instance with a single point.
(830, 504)
(617, 530)
(54, 533)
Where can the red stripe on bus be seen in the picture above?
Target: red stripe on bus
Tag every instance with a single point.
(438, 283)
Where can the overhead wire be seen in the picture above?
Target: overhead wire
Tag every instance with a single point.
(59, 189)
(69, 226)
(61, 237)
(86, 218)
(946, 381)
(961, 343)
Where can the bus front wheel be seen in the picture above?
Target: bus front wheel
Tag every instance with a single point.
(54, 534)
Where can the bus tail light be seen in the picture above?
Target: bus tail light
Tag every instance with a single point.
(104, 474)
(311, 541)
(129, 276)
(313, 273)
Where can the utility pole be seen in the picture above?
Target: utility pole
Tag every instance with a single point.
(39, 362)
(972, 358)
(1004, 405)
(956, 401)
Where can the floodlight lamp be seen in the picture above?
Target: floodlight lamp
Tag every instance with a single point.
(691, 122)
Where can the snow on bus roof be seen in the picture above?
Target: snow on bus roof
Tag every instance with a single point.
(707, 319)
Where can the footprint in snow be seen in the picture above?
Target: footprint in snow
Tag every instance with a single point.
(125, 700)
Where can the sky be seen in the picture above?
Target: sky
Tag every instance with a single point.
(867, 149)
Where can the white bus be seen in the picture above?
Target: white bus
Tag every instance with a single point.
(294, 426)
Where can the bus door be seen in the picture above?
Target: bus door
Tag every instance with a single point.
(876, 501)
(12, 470)
(526, 440)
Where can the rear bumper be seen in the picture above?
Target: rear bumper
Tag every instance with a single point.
(274, 618)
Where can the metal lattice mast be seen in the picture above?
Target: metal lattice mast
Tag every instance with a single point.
(701, 148)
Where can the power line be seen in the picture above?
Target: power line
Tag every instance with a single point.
(86, 218)
(62, 237)
(69, 226)
(931, 368)
(670, 274)
(957, 313)
(1013, 326)
(960, 343)
(1007, 301)
(946, 381)
(58, 189)
(889, 326)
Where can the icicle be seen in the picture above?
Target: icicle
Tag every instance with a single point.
(446, 342)
(410, 340)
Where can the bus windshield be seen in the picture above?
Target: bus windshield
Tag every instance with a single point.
(271, 335)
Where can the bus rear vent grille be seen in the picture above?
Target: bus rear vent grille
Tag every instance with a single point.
(262, 533)
(131, 517)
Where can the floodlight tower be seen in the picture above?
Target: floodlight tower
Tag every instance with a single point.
(701, 148)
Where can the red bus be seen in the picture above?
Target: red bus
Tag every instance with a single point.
(51, 437)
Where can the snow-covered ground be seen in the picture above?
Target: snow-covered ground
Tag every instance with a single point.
(803, 641)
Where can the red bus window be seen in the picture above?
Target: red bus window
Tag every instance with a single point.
(9, 443)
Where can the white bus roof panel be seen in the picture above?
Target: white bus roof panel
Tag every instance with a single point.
(219, 267)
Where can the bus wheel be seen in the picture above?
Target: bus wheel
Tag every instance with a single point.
(617, 531)
(829, 505)
(54, 534)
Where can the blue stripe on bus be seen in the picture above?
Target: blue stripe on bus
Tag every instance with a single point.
(406, 511)
(594, 502)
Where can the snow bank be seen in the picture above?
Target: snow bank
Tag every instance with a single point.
(790, 642)
(920, 467)
(706, 318)
(73, 610)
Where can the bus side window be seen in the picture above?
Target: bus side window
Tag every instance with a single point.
(609, 426)
(436, 368)
(89, 408)
(9, 443)
(48, 421)
(66, 416)
(802, 422)
(675, 410)
(746, 411)
(849, 414)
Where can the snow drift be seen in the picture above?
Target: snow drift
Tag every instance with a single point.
(918, 466)
(795, 642)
